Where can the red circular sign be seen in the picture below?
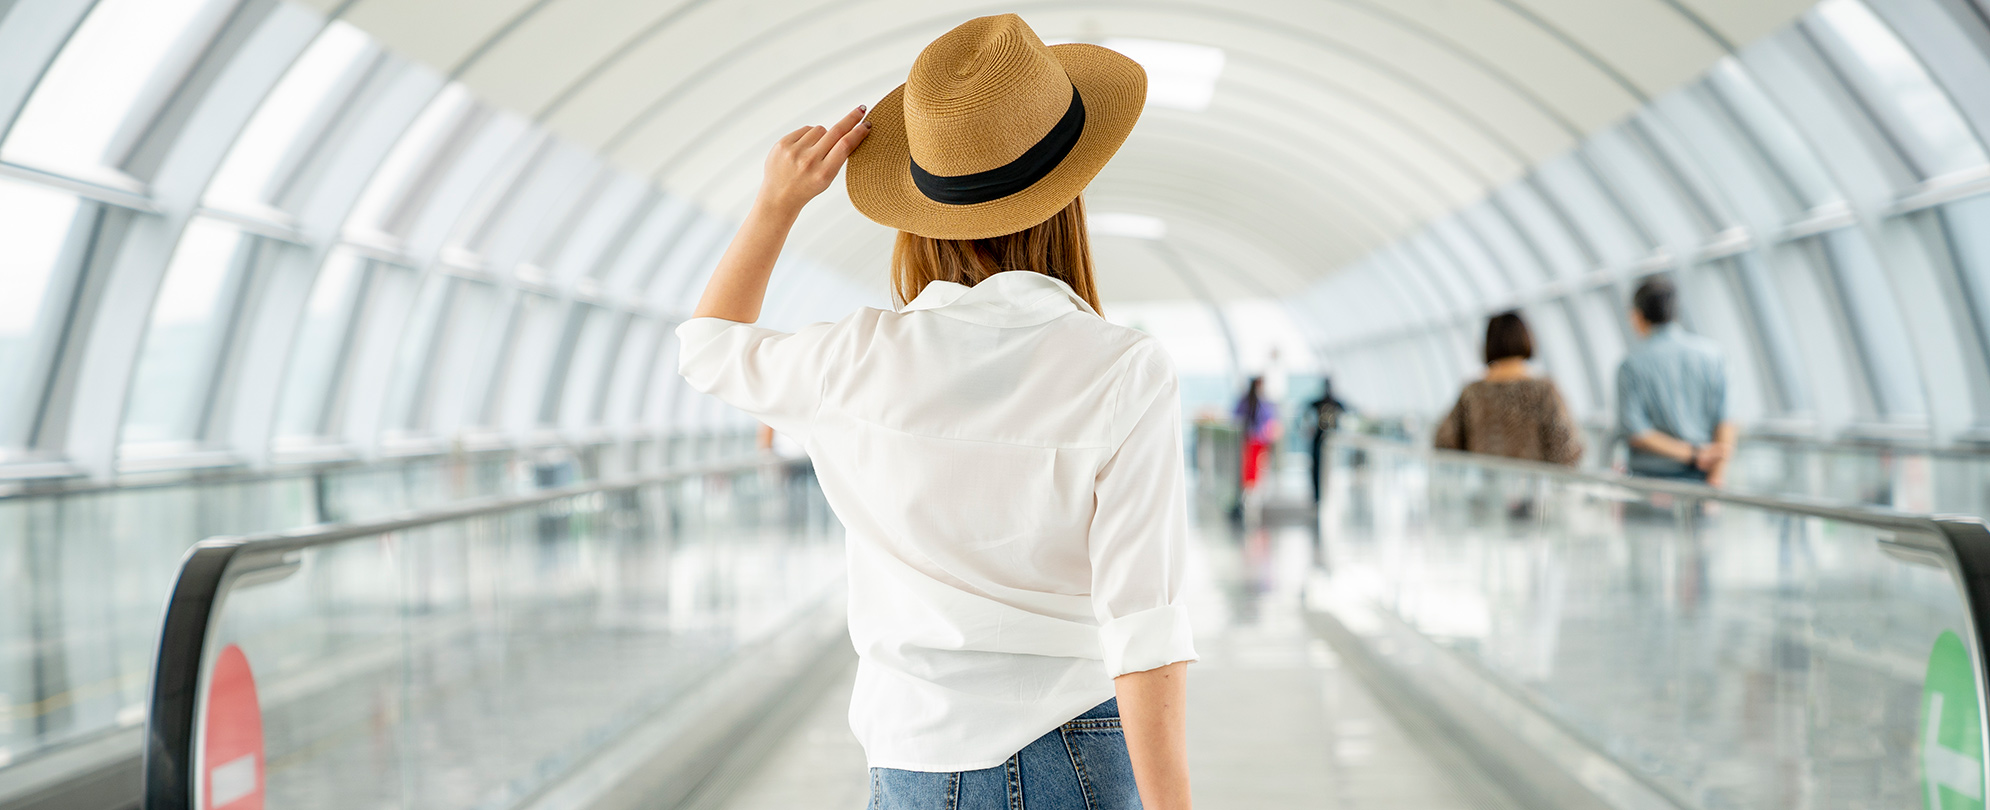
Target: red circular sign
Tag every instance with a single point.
(232, 763)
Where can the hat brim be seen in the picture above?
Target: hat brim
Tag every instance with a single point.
(879, 174)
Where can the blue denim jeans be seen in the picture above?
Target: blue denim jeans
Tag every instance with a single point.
(1080, 765)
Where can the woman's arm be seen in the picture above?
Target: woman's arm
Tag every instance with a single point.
(802, 165)
(1153, 712)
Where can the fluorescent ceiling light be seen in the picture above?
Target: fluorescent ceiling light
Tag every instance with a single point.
(1179, 75)
(1133, 226)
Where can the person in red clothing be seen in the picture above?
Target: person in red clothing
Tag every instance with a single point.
(1257, 418)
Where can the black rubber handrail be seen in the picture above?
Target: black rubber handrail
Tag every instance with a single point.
(1960, 544)
(205, 576)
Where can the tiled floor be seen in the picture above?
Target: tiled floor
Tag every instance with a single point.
(1275, 721)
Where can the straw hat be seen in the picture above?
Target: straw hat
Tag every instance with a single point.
(993, 132)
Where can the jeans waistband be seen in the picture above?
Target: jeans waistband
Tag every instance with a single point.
(1108, 709)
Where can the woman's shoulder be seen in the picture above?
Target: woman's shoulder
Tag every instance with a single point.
(1110, 344)
(1527, 388)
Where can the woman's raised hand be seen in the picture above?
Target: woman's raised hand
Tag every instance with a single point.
(801, 166)
(804, 163)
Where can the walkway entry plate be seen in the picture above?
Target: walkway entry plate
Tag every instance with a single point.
(232, 760)
(1951, 719)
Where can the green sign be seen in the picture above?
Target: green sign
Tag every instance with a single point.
(1951, 735)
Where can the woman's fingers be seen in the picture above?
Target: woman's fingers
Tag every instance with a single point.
(835, 134)
(847, 144)
(806, 146)
(795, 136)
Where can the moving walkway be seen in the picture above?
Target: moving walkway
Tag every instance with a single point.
(1586, 639)
(1603, 641)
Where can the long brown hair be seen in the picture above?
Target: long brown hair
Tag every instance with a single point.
(1058, 247)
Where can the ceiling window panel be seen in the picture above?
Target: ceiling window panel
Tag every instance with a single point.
(643, 255)
(1776, 141)
(1709, 301)
(673, 283)
(1967, 224)
(635, 363)
(1616, 241)
(1604, 320)
(122, 61)
(1885, 349)
(34, 226)
(660, 401)
(583, 380)
(1427, 293)
(191, 318)
(1893, 84)
(408, 386)
(1472, 285)
(532, 205)
(466, 342)
(1769, 326)
(411, 154)
(1830, 358)
(317, 81)
(600, 224)
(322, 340)
(1505, 246)
(535, 337)
(1545, 231)
(1651, 191)
(1459, 241)
(1718, 144)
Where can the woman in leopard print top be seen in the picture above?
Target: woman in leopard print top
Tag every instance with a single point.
(1511, 412)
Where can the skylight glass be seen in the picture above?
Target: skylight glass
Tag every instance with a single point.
(99, 79)
(189, 323)
(259, 152)
(408, 155)
(1895, 81)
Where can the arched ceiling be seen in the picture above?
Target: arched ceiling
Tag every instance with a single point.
(1336, 127)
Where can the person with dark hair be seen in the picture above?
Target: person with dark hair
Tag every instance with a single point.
(1258, 419)
(1511, 412)
(1672, 394)
(1327, 411)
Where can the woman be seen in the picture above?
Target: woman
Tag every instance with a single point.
(1511, 412)
(1257, 421)
(1007, 465)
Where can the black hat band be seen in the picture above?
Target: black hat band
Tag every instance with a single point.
(1014, 176)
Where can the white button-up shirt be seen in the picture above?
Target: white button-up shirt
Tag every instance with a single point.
(1008, 469)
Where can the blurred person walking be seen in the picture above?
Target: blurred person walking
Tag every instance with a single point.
(1327, 411)
(1510, 412)
(1672, 394)
(1257, 424)
(1007, 464)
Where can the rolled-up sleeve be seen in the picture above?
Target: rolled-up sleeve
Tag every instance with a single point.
(777, 377)
(1139, 532)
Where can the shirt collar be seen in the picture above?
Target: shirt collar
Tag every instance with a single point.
(1010, 298)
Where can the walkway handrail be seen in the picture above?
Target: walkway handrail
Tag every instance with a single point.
(208, 568)
(1963, 548)
(1875, 516)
